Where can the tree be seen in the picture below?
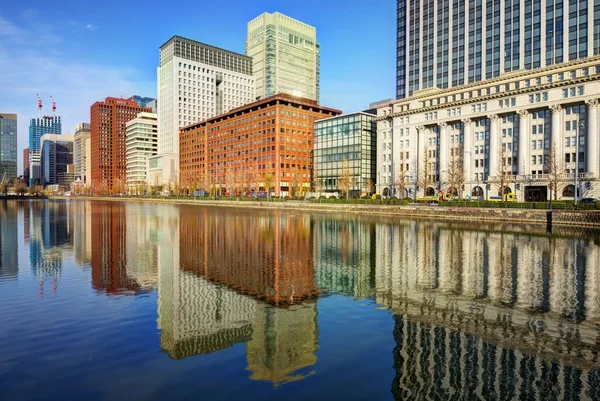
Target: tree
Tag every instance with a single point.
(503, 172)
(402, 175)
(316, 182)
(424, 178)
(20, 188)
(268, 180)
(456, 170)
(370, 186)
(36, 190)
(140, 187)
(554, 167)
(346, 181)
(295, 183)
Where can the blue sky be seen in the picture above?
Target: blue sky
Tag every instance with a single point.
(80, 52)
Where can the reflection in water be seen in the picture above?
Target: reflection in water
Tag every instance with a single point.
(480, 311)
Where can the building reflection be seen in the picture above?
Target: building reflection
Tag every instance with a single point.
(485, 314)
(245, 279)
(9, 267)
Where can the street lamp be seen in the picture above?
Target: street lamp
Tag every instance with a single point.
(578, 131)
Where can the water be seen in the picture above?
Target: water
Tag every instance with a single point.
(111, 301)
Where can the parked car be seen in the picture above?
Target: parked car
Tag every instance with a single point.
(588, 200)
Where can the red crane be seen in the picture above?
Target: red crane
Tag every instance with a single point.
(39, 105)
(53, 105)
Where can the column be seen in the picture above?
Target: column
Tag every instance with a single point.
(494, 146)
(443, 156)
(421, 139)
(524, 142)
(468, 154)
(556, 140)
(592, 137)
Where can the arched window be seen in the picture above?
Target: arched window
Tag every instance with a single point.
(452, 191)
(385, 192)
(569, 190)
(477, 192)
(507, 190)
(429, 191)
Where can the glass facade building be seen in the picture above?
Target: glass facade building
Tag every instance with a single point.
(56, 156)
(8, 146)
(456, 42)
(345, 146)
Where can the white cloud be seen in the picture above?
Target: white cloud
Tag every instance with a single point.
(74, 82)
(91, 27)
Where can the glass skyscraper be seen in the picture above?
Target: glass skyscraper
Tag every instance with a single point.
(8, 146)
(455, 42)
(37, 128)
(57, 155)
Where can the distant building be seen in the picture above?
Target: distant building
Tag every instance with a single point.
(82, 157)
(196, 81)
(276, 145)
(38, 127)
(286, 56)
(26, 166)
(142, 101)
(8, 146)
(107, 140)
(346, 149)
(56, 156)
(142, 142)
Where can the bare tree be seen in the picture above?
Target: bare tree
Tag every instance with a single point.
(503, 173)
(295, 187)
(424, 178)
(346, 181)
(555, 168)
(316, 181)
(402, 176)
(370, 186)
(456, 170)
(268, 180)
(20, 188)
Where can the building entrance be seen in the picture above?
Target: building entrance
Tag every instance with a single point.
(536, 194)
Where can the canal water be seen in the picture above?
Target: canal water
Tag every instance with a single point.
(139, 301)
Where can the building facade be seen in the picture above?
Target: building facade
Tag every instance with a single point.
(38, 127)
(286, 56)
(143, 101)
(26, 166)
(82, 157)
(528, 132)
(107, 140)
(345, 155)
(263, 146)
(196, 81)
(8, 146)
(451, 43)
(56, 157)
(142, 142)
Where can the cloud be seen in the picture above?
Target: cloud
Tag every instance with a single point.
(91, 27)
(7, 28)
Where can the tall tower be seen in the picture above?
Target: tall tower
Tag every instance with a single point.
(37, 128)
(286, 56)
(451, 43)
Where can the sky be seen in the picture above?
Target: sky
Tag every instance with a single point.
(80, 52)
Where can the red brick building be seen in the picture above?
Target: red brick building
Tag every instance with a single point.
(107, 137)
(266, 142)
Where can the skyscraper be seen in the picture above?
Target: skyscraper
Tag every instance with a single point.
(56, 156)
(141, 133)
(107, 140)
(8, 146)
(82, 156)
(286, 56)
(142, 101)
(38, 127)
(450, 43)
(196, 81)
(26, 166)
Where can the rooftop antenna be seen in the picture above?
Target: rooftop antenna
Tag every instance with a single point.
(39, 106)
(53, 106)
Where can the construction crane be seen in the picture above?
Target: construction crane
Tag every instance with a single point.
(39, 106)
(53, 105)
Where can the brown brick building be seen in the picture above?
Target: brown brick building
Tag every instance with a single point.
(246, 148)
(107, 137)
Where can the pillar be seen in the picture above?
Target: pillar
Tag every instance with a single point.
(524, 143)
(494, 146)
(421, 139)
(468, 153)
(443, 156)
(592, 138)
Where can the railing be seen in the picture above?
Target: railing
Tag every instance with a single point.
(542, 177)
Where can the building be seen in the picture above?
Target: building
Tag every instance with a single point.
(82, 157)
(286, 56)
(345, 157)
(141, 139)
(8, 146)
(266, 145)
(38, 127)
(107, 140)
(26, 166)
(143, 101)
(527, 131)
(196, 81)
(56, 157)
(451, 43)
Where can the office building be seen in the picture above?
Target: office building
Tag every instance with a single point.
(82, 153)
(38, 127)
(142, 142)
(56, 156)
(143, 101)
(345, 158)
(196, 81)
(107, 140)
(8, 146)
(528, 131)
(451, 43)
(285, 55)
(26, 166)
(266, 145)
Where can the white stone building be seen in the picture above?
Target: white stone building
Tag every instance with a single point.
(82, 158)
(286, 56)
(141, 143)
(503, 127)
(196, 81)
